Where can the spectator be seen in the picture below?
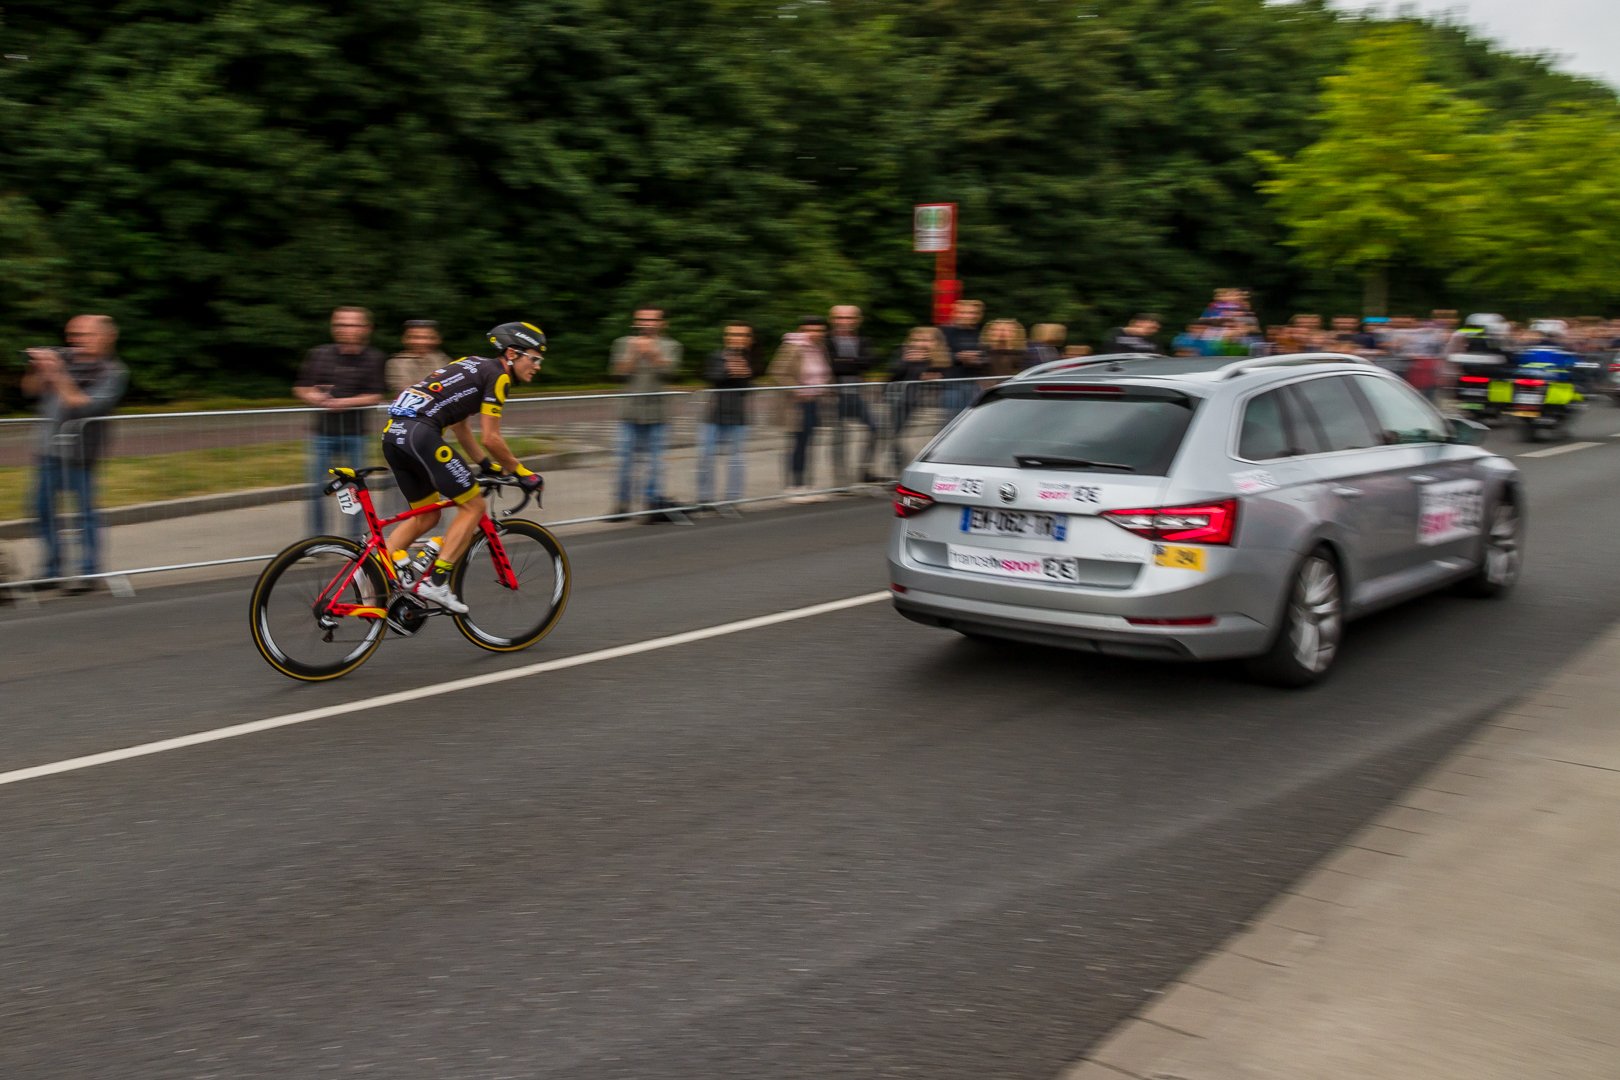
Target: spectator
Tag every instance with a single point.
(1071, 352)
(802, 363)
(1134, 337)
(73, 385)
(923, 358)
(967, 354)
(342, 379)
(1194, 341)
(729, 370)
(1045, 343)
(851, 356)
(1225, 304)
(645, 361)
(1005, 348)
(1347, 338)
(419, 358)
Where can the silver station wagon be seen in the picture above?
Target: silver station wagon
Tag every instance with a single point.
(1199, 508)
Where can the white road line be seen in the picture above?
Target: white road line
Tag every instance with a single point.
(1566, 448)
(236, 730)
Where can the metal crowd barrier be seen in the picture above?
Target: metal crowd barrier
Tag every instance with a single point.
(165, 469)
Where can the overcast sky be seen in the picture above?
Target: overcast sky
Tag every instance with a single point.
(1585, 32)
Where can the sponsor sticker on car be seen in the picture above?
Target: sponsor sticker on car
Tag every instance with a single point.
(1450, 511)
(1083, 494)
(1253, 481)
(976, 560)
(1178, 557)
(958, 485)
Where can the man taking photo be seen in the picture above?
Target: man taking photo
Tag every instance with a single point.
(341, 378)
(74, 385)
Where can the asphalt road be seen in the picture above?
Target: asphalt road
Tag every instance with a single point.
(841, 846)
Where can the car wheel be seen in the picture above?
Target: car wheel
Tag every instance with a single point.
(1307, 641)
(1501, 554)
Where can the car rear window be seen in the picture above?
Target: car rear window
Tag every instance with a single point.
(1140, 431)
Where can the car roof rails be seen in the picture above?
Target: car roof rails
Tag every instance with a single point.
(1258, 363)
(1054, 367)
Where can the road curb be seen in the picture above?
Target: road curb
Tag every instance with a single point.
(1164, 1040)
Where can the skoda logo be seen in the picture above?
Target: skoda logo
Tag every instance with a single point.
(1007, 492)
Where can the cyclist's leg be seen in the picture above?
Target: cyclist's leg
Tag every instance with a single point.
(449, 478)
(459, 537)
(403, 452)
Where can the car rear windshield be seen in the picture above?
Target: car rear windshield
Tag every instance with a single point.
(1141, 431)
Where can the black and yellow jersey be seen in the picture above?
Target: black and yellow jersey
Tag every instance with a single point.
(470, 385)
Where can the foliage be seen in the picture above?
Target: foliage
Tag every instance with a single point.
(1394, 177)
(219, 175)
(1551, 230)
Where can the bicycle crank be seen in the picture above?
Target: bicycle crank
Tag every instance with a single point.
(406, 614)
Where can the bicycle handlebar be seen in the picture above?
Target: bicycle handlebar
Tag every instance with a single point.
(487, 482)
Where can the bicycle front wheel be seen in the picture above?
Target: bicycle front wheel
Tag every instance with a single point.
(309, 644)
(503, 619)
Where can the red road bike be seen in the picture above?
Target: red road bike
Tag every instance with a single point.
(322, 606)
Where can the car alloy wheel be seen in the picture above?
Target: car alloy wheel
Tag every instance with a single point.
(1315, 618)
(1502, 554)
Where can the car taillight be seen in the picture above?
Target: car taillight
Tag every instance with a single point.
(1213, 523)
(1530, 382)
(908, 502)
(1473, 378)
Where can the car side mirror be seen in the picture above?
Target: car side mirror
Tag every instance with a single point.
(1466, 432)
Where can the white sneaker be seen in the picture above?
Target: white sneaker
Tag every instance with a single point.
(440, 594)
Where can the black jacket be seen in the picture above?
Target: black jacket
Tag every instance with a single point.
(1120, 340)
(847, 368)
(730, 407)
(961, 339)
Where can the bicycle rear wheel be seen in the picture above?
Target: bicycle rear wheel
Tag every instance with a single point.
(292, 635)
(506, 620)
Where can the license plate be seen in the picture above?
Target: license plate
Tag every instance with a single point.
(1526, 397)
(347, 502)
(987, 521)
(1525, 412)
(1012, 564)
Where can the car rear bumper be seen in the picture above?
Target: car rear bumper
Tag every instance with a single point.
(1231, 635)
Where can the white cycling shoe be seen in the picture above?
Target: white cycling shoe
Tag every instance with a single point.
(440, 594)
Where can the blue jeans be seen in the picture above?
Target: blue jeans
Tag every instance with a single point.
(55, 476)
(326, 451)
(647, 439)
(799, 461)
(956, 396)
(717, 437)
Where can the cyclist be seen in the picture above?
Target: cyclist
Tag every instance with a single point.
(425, 467)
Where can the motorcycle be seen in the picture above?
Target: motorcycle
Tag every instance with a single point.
(1541, 394)
(1477, 374)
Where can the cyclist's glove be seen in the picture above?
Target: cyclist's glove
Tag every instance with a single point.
(532, 483)
(489, 467)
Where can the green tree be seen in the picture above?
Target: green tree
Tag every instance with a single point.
(1550, 234)
(1394, 177)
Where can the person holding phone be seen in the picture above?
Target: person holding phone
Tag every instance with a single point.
(342, 378)
(73, 385)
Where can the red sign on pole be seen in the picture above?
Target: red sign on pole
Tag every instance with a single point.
(933, 228)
